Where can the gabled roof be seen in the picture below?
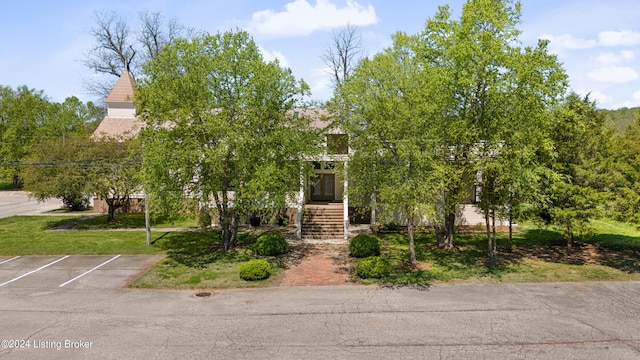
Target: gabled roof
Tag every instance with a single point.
(120, 128)
(123, 91)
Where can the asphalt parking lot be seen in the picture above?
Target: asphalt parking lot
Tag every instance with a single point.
(71, 272)
(20, 203)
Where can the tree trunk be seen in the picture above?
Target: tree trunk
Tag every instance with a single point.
(450, 224)
(412, 247)
(569, 239)
(494, 242)
(510, 242)
(229, 226)
(228, 221)
(490, 249)
(445, 232)
(113, 204)
(440, 234)
(16, 181)
(111, 213)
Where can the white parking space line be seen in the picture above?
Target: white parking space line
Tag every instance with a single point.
(32, 271)
(87, 272)
(6, 261)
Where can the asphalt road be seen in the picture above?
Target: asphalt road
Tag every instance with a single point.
(18, 203)
(595, 320)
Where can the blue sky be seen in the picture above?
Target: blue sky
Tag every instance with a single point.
(42, 43)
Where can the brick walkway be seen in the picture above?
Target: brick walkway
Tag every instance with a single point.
(322, 265)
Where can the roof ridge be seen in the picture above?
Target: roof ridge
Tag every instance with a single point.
(123, 90)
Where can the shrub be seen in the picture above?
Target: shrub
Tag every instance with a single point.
(271, 244)
(204, 218)
(364, 245)
(256, 269)
(373, 267)
(391, 226)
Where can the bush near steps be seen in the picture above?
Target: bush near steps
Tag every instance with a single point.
(364, 245)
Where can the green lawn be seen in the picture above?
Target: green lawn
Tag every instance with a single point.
(195, 260)
(538, 256)
(6, 185)
(29, 235)
(193, 257)
(134, 221)
(615, 234)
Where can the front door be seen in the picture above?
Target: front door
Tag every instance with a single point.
(323, 187)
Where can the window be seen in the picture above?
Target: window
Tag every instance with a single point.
(337, 144)
(328, 185)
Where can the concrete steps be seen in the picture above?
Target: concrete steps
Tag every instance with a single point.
(323, 221)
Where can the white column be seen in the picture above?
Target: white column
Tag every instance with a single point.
(147, 222)
(373, 206)
(300, 205)
(345, 203)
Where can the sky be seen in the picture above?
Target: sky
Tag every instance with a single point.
(43, 43)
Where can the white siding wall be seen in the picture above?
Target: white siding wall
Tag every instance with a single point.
(468, 214)
(121, 111)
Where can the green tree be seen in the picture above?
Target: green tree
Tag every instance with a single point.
(499, 94)
(620, 119)
(113, 171)
(392, 102)
(23, 112)
(78, 167)
(220, 128)
(579, 138)
(437, 49)
(623, 174)
(55, 166)
(56, 169)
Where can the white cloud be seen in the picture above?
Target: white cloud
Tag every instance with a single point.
(273, 55)
(613, 74)
(321, 86)
(628, 55)
(302, 18)
(619, 38)
(609, 58)
(568, 42)
(633, 102)
(601, 98)
(605, 39)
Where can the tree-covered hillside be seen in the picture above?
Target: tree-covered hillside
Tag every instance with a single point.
(620, 119)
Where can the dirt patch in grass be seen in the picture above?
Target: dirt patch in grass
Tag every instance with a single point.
(626, 260)
(419, 265)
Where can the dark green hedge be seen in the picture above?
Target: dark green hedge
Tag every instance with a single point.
(271, 244)
(364, 245)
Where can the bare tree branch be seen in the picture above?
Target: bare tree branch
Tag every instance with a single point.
(155, 33)
(114, 51)
(343, 54)
(118, 48)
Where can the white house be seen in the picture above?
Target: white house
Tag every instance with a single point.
(321, 208)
